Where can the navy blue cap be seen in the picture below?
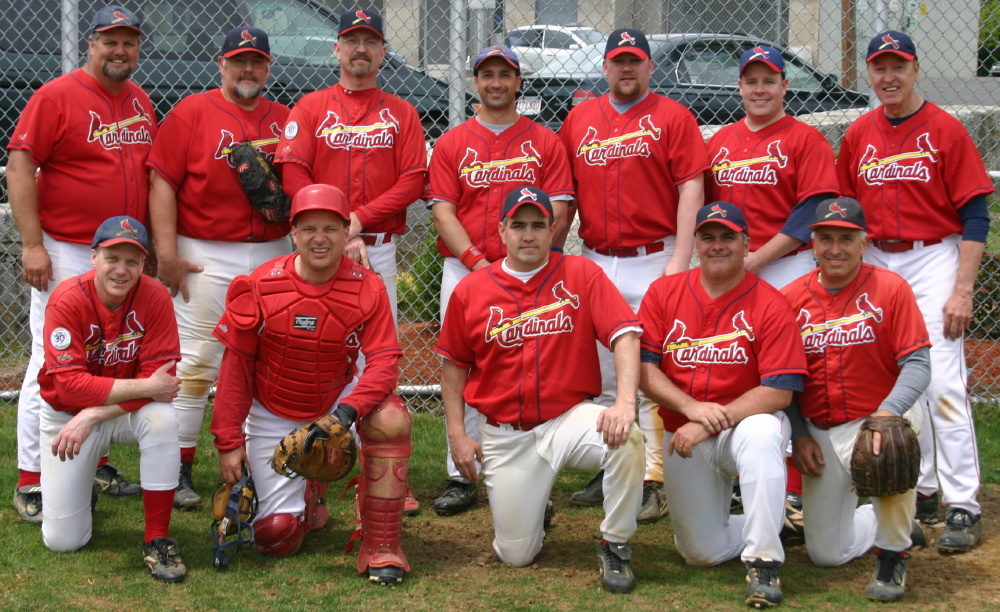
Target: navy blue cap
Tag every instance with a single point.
(769, 56)
(627, 40)
(361, 18)
(526, 195)
(117, 230)
(115, 16)
(840, 212)
(891, 41)
(726, 213)
(246, 38)
(504, 53)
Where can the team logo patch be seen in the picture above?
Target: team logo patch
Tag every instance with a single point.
(121, 18)
(843, 331)
(64, 357)
(305, 323)
(752, 171)
(361, 17)
(727, 348)
(627, 39)
(909, 166)
(378, 135)
(223, 328)
(248, 39)
(835, 209)
(291, 130)
(597, 152)
(760, 53)
(889, 41)
(129, 131)
(60, 338)
(511, 332)
(481, 175)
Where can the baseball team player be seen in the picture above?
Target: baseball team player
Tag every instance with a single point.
(776, 169)
(292, 332)
(473, 168)
(527, 319)
(365, 141)
(721, 357)
(638, 160)
(89, 133)
(108, 378)
(868, 353)
(923, 187)
(201, 248)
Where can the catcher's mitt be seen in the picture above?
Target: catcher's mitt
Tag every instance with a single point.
(260, 182)
(895, 469)
(323, 450)
(233, 509)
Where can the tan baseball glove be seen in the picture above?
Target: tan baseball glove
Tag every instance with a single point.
(323, 450)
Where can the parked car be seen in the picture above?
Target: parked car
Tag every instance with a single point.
(697, 70)
(542, 45)
(179, 50)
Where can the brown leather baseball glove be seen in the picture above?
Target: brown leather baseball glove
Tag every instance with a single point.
(323, 450)
(895, 469)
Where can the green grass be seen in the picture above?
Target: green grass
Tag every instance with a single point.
(450, 570)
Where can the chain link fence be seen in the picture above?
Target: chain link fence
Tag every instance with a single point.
(560, 43)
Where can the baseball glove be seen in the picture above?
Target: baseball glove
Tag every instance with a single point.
(323, 450)
(895, 469)
(260, 182)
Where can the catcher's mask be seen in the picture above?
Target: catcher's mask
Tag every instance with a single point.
(233, 509)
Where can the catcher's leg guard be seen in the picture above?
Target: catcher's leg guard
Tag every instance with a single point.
(385, 452)
(279, 535)
(316, 513)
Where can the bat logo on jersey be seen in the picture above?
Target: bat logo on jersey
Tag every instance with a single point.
(597, 152)
(512, 332)
(843, 331)
(727, 172)
(113, 135)
(909, 166)
(727, 348)
(381, 135)
(124, 348)
(227, 142)
(481, 175)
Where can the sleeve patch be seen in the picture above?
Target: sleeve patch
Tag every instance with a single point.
(60, 339)
(291, 130)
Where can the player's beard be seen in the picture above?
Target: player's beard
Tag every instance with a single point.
(244, 90)
(360, 71)
(116, 73)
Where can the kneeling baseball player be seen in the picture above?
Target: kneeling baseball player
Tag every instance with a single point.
(519, 345)
(869, 360)
(292, 331)
(721, 356)
(110, 353)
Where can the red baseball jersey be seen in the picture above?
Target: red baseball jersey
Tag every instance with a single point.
(531, 346)
(91, 147)
(766, 173)
(301, 343)
(626, 168)
(853, 339)
(475, 169)
(717, 350)
(191, 152)
(88, 346)
(911, 179)
(362, 142)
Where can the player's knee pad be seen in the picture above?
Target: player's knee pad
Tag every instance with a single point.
(385, 431)
(279, 535)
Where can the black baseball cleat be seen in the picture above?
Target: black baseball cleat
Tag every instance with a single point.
(384, 576)
(185, 497)
(614, 561)
(763, 584)
(592, 494)
(962, 531)
(457, 497)
(28, 503)
(550, 511)
(888, 581)
(163, 558)
(927, 508)
(110, 481)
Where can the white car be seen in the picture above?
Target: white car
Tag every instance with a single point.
(541, 45)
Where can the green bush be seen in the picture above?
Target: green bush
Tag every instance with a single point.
(419, 287)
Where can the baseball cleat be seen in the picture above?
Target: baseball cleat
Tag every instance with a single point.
(411, 507)
(163, 559)
(794, 521)
(616, 574)
(918, 539)
(736, 502)
(763, 584)
(927, 508)
(550, 511)
(185, 497)
(457, 497)
(961, 532)
(28, 503)
(654, 503)
(592, 494)
(888, 581)
(384, 576)
(111, 482)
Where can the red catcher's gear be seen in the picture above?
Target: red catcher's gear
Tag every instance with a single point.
(279, 535)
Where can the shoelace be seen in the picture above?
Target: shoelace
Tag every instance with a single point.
(766, 575)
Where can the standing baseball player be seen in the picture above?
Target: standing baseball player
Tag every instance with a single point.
(721, 357)
(365, 141)
(868, 354)
(923, 187)
(89, 133)
(528, 319)
(473, 168)
(110, 349)
(638, 160)
(776, 169)
(201, 248)
(293, 330)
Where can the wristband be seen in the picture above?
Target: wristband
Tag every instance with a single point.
(471, 257)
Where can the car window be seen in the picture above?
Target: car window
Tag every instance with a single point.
(296, 33)
(586, 60)
(525, 38)
(591, 37)
(558, 40)
(801, 77)
(710, 62)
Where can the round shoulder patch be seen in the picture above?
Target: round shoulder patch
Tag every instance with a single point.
(60, 338)
(291, 130)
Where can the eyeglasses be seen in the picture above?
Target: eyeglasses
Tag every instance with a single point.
(243, 62)
(370, 44)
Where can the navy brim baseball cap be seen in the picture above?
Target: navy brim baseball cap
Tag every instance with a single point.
(840, 212)
(626, 40)
(246, 38)
(769, 56)
(121, 229)
(358, 19)
(499, 51)
(724, 213)
(114, 16)
(891, 41)
(526, 196)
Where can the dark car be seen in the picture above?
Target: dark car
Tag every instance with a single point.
(698, 70)
(180, 47)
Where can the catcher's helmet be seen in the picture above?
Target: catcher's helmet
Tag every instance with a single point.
(233, 509)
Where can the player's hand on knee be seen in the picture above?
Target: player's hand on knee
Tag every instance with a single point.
(714, 417)
(172, 272)
(686, 437)
(808, 456)
(163, 386)
(615, 423)
(37, 267)
(957, 314)
(70, 439)
(231, 464)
